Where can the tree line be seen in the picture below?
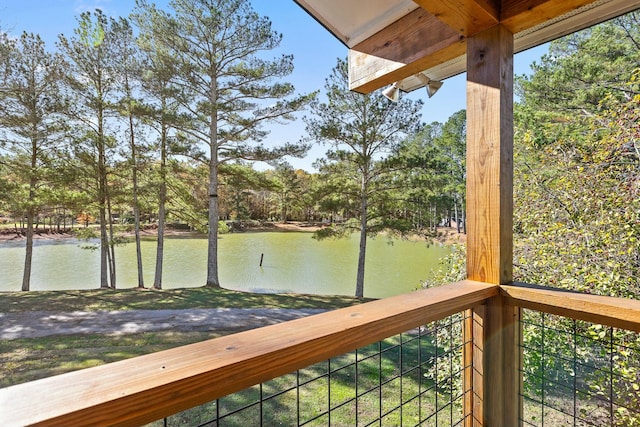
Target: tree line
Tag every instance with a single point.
(158, 117)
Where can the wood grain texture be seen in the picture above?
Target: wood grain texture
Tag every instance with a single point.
(490, 156)
(468, 17)
(436, 33)
(519, 15)
(610, 311)
(479, 314)
(496, 365)
(496, 374)
(408, 46)
(146, 388)
(467, 368)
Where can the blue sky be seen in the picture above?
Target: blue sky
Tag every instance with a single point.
(314, 49)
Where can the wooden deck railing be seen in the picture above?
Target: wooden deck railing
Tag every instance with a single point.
(147, 388)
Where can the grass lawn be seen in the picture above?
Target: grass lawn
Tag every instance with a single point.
(147, 299)
(25, 360)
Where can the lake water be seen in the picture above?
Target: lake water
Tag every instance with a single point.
(293, 262)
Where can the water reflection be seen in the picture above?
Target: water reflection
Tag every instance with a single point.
(292, 262)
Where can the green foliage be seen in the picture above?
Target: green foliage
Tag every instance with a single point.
(577, 210)
(287, 188)
(86, 233)
(577, 239)
(361, 130)
(586, 71)
(451, 268)
(223, 228)
(578, 223)
(433, 169)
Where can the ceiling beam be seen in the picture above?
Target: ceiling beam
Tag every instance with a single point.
(466, 16)
(519, 15)
(426, 39)
(416, 42)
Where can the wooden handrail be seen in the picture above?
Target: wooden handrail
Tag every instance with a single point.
(150, 387)
(610, 311)
(146, 388)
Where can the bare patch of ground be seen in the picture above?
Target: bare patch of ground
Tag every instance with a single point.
(38, 324)
(449, 236)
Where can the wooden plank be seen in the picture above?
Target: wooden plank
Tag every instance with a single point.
(617, 312)
(146, 388)
(519, 15)
(436, 33)
(490, 156)
(594, 14)
(477, 356)
(465, 16)
(496, 365)
(467, 368)
(496, 377)
(408, 46)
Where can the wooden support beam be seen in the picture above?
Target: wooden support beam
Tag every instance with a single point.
(495, 326)
(520, 15)
(490, 156)
(605, 310)
(410, 45)
(465, 16)
(436, 33)
(496, 362)
(472, 367)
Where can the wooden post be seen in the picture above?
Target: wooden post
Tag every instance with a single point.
(491, 356)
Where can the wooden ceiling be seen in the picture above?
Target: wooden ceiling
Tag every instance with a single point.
(393, 40)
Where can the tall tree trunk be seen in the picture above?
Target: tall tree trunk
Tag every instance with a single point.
(363, 239)
(284, 210)
(104, 248)
(136, 207)
(212, 252)
(105, 259)
(455, 206)
(26, 277)
(112, 246)
(28, 257)
(157, 280)
(104, 240)
(464, 216)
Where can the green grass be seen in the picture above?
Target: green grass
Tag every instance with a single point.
(149, 299)
(380, 389)
(25, 360)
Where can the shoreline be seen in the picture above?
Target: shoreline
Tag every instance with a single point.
(11, 235)
(444, 235)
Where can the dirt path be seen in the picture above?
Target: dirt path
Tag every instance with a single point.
(34, 324)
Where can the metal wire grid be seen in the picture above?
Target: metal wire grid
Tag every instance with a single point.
(578, 374)
(412, 379)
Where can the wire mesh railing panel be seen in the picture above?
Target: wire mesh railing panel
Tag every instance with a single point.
(577, 373)
(412, 379)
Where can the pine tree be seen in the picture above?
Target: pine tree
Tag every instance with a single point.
(230, 89)
(31, 128)
(361, 129)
